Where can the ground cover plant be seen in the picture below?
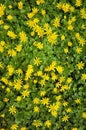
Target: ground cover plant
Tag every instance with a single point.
(42, 64)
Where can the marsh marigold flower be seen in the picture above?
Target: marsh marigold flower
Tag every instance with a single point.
(23, 37)
(80, 65)
(2, 9)
(20, 5)
(84, 115)
(29, 71)
(74, 128)
(39, 2)
(83, 76)
(37, 61)
(12, 110)
(36, 123)
(78, 3)
(23, 128)
(65, 118)
(9, 17)
(11, 34)
(14, 127)
(52, 38)
(56, 22)
(48, 123)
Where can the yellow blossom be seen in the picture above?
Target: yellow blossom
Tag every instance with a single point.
(56, 22)
(20, 5)
(48, 123)
(80, 65)
(2, 9)
(77, 101)
(36, 109)
(9, 17)
(83, 76)
(36, 123)
(37, 61)
(65, 118)
(52, 38)
(12, 110)
(84, 115)
(23, 37)
(59, 69)
(14, 127)
(36, 100)
(78, 3)
(11, 34)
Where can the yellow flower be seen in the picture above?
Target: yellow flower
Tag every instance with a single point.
(18, 47)
(52, 38)
(84, 115)
(37, 61)
(59, 69)
(20, 5)
(59, 6)
(39, 45)
(80, 65)
(39, 73)
(29, 71)
(42, 82)
(74, 128)
(43, 12)
(77, 101)
(18, 84)
(11, 34)
(19, 98)
(2, 9)
(56, 22)
(12, 110)
(12, 52)
(36, 123)
(9, 17)
(25, 93)
(70, 44)
(23, 128)
(48, 123)
(69, 80)
(6, 27)
(42, 93)
(78, 50)
(36, 100)
(83, 13)
(19, 71)
(83, 77)
(65, 103)
(10, 70)
(62, 37)
(72, 9)
(78, 3)
(23, 37)
(45, 76)
(39, 2)
(10, 6)
(68, 110)
(45, 101)
(1, 22)
(66, 50)
(35, 10)
(65, 7)
(70, 27)
(4, 80)
(14, 127)
(5, 99)
(65, 118)
(36, 109)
